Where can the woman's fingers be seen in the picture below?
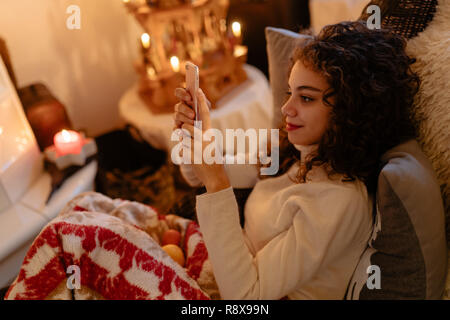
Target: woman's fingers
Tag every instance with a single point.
(183, 95)
(189, 128)
(203, 109)
(183, 114)
(185, 110)
(178, 124)
(180, 118)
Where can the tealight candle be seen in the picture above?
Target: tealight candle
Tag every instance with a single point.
(145, 39)
(235, 37)
(67, 142)
(236, 28)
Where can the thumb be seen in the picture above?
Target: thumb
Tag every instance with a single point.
(203, 109)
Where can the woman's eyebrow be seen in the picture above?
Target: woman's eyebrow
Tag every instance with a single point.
(308, 88)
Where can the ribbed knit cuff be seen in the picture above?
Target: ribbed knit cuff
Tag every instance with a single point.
(221, 205)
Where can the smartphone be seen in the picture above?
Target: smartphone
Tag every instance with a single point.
(192, 84)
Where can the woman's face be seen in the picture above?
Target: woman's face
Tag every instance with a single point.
(307, 117)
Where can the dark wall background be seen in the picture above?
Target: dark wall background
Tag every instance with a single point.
(255, 15)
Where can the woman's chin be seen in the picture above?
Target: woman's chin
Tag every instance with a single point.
(302, 142)
(295, 139)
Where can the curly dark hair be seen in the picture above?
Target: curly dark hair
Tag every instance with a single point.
(370, 77)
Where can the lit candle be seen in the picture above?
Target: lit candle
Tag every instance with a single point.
(236, 28)
(145, 39)
(67, 142)
(240, 51)
(175, 62)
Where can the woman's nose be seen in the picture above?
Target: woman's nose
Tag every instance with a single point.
(288, 110)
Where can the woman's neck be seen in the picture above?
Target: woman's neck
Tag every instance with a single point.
(305, 150)
(317, 173)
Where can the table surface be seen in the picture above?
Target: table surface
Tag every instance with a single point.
(247, 106)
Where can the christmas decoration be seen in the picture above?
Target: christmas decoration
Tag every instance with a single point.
(177, 31)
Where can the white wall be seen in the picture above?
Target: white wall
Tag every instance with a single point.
(88, 69)
(324, 12)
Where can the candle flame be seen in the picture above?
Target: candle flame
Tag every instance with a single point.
(67, 136)
(236, 28)
(175, 62)
(145, 39)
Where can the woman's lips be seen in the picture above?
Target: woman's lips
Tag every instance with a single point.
(291, 127)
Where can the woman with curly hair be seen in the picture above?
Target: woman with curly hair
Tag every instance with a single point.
(351, 90)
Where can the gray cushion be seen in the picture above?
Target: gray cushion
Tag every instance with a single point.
(408, 243)
(280, 46)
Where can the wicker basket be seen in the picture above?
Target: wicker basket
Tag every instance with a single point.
(405, 17)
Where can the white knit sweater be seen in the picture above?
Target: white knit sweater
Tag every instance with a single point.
(302, 241)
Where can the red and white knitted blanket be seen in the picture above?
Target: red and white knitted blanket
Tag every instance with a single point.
(111, 248)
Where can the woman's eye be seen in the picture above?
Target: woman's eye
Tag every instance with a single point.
(306, 99)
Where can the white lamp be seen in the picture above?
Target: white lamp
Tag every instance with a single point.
(20, 159)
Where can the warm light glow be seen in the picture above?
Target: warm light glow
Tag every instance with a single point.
(240, 51)
(67, 137)
(126, 1)
(67, 141)
(175, 62)
(1, 130)
(151, 72)
(145, 39)
(236, 28)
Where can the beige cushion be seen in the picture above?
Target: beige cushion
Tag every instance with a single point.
(280, 46)
(431, 48)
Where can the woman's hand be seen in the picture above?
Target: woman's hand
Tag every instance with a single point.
(213, 175)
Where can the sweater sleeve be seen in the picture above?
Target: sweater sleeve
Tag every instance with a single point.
(316, 234)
